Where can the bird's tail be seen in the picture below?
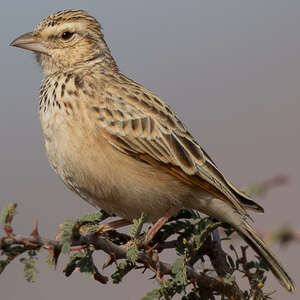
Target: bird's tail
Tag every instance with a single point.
(259, 246)
(228, 214)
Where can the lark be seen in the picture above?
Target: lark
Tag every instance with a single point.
(117, 144)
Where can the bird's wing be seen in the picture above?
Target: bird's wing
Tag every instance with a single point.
(141, 125)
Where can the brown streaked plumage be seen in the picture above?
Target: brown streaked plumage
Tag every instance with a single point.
(117, 144)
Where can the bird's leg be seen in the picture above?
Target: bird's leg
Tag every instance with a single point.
(112, 225)
(159, 224)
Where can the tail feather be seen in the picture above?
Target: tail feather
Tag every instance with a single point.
(259, 246)
(228, 214)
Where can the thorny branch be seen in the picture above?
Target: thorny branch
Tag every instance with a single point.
(150, 259)
(119, 252)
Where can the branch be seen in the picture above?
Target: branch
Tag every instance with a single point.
(193, 242)
(119, 252)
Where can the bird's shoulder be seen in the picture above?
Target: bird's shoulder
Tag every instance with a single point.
(121, 93)
(136, 121)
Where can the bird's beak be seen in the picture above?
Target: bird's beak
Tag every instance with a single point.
(31, 42)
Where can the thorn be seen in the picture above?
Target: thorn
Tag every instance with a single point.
(155, 257)
(10, 219)
(27, 243)
(161, 277)
(56, 255)
(78, 248)
(151, 278)
(148, 266)
(35, 232)
(8, 230)
(109, 260)
(152, 269)
(100, 229)
(54, 252)
(148, 251)
(51, 252)
(59, 234)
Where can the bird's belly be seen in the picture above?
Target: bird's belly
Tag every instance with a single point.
(109, 179)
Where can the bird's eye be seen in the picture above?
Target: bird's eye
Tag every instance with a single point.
(66, 35)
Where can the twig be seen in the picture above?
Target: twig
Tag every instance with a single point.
(101, 243)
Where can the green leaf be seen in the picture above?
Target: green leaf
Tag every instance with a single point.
(194, 234)
(179, 270)
(186, 214)
(3, 264)
(83, 261)
(229, 279)
(91, 228)
(228, 231)
(136, 227)
(29, 268)
(95, 217)
(122, 269)
(72, 264)
(134, 232)
(86, 264)
(90, 221)
(172, 228)
(153, 295)
(132, 253)
(263, 264)
(206, 226)
(172, 287)
(250, 265)
(177, 265)
(50, 260)
(67, 234)
(246, 294)
(11, 252)
(7, 213)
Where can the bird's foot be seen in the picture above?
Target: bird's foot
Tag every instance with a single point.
(158, 225)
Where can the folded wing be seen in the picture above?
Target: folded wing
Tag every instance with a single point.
(141, 125)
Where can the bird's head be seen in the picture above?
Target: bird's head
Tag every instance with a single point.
(65, 40)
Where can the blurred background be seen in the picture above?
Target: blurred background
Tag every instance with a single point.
(230, 69)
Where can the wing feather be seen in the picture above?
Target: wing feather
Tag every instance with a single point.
(148, 130)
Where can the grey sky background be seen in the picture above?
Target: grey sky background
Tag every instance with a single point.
(230, 69)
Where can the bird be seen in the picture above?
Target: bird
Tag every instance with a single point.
(118, 145)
